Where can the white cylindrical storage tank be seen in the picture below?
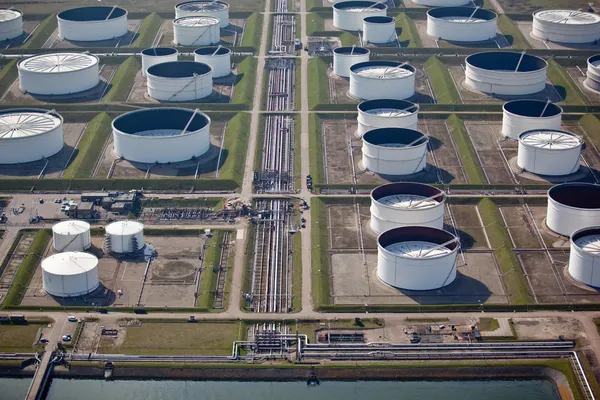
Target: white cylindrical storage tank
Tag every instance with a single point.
(125, 236)
(71, 236)
(157, 55)
(70, 274)
(584, 258)
(566, 26)
(92, 24)
(519, 116)
(379, 30)
(442, 3)
(549, 152)
(206, 8)
(218, 57)
(349, 15)
(58, 73)
(11, 24)
(505, 73)
(394, 151)
(179, 81)
(572, 206)
(382, 80)
(28, 134)
(159, 135)
(417, 257)
(592, 80)
(345, 57)
(196, 31)
(406, 204)
(462, 24)
(386, 113)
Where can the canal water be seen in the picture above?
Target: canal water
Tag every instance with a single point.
(92, 389)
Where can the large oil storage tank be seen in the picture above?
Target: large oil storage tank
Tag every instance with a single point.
(196, 31)
(406, 204)
(566, 26)
(442, 3)
(584, 258)
(161, 135)
(417, 257)
(29, 134)
(349, 15)
(462, 24)
(382, 80)
(379, 30)
(394, 151)
(92, 23)
(58, 73)
(505, 73)
(124, 237)
(345, 57)
(572, 206)
(70, 274)
(157, 55)
(218, 57)
(549, 152)
(71, 235)
(592, 75)
(519, 116)
(206, 8)
(386, 113)
(179, 81)
(11, 24)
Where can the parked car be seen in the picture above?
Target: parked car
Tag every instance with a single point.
(44, 340)
(66, 338)
(72, 318)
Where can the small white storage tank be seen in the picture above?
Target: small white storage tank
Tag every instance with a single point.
(572, 206)
(161, 135)
(92, 23)
(196, 31)
(218, 57)
(179, 81)
(417, 257)
(592, 80)
(519, 116)
(505, 73)
(442, 3)
(386, 113)
(379, 30)
(462, 24)
(157, 55)
(11, 24)
(71, 235)
(29, 134)
(382, 80)
(566, 26)
(394, 151)
(70, 274)
(349, 15)
(206, 8)
(58, 73)
(549, 152)
(406, 204)
(584, 258)
(345, 57)
(124, 237)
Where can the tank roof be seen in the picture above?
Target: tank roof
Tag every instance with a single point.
(388, 107)
(71, 227)
(395, 137)
(418, 234)
(463, 14)
(54, 63)
(567, 17)
(196, 21)
(532, 108)
(212, 50)
(351, 50)
(179, 69)
(379, 19)
(27, 122)
(587, 239)
(550, 139)
(70, 263)
(159, 51)
(576, 195)
(359, 6)
(152, 121)
(202, 6)
(418, 191)
(124, 228)
(9, 14)
(382, 69)
(92, 13)
(506, 61)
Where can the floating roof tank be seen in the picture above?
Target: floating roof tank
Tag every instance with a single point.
(379, 30)
(179, 81)
(519, 116)
(382, 80)
(462, 24)
(584, 258)
(549, 152)
(11, 24)
(349, 15)
(196, 31)
(394, 151)
(157, 55)
(217, 57)
(386, 113)
(566, 26)
(573, 206)
(592, 80)
(93, 23)
(206, 8)
(345, 57)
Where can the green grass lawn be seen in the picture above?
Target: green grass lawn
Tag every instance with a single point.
(409, 35)
(591, 126)
(466, 150)
(441, 82)
(297, 274)
(121, 84)
(318, 83)
(513, 34)
(315, 141)
(150, 26)
(8, 74)
(41, 34)
(244, 88)
(314, 23)
(18, 338)
(321, 290)
(564, 84)
(488, 324)
(236, 144)
(209, 277)
(253, 30)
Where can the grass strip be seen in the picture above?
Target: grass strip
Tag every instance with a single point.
(314, 23)
(488, 324)
(297, 274)
(42, 33)
(516, 285)
(591, 126)
(8, 74)
(466, 150)
(321, 289)
(209, 277)
(27, 269)
(120, 86)
(315, 140)
(409, 35)
(244, 87)
(441, 82)
(318, 84)
(89, 148)
(253, 30)
(310, 4)
(512, 33)
(147, 32)
(564, 85)
(235, 145)
(349, 39)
